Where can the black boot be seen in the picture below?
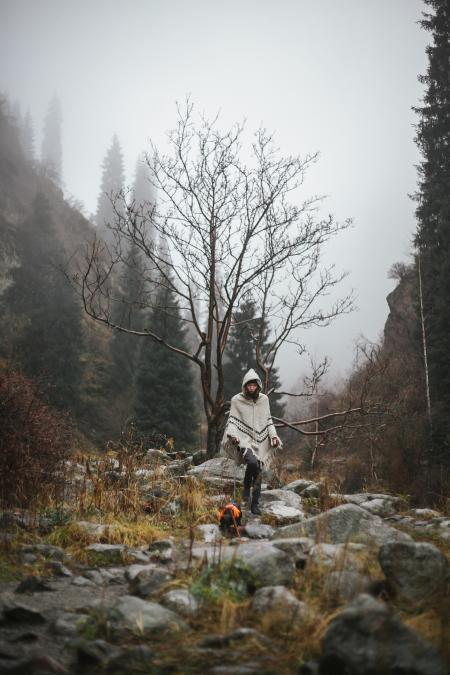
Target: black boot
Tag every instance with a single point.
(248, 478)
(255, 501)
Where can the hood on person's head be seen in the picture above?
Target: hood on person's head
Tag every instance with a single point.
(250, 376)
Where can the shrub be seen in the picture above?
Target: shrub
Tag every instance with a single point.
(34, 441)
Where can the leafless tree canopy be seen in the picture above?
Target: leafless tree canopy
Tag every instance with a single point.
(219, 230)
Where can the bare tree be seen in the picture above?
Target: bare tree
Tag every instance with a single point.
(228, 228)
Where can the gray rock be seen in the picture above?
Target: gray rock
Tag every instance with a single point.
(270, 565)
(16, 611)
(33, 585)
(379, 507)
(58, 569)
(367, 639)
(108, 552)
(69, 624)
(82, 581)
(132, 571)
(312, 491)
(144, 618)
(258, 531)
(344, 523)
(95, 530)
(287, 497)
(298, 486)
(417, 572)
(199, 457)
(345, 585)
(297, 548)
(219, 467)
(239, 635)
(149, 581)
(425, 513)
(208, 532)
(172, 508)
(45, 550)
(162, 550)
(94, 652)
(155, 457)
(129, 660)
(138, 556)
(282, 606)
(181, 601)
(342, 556)
(282, 514)
(179, 467)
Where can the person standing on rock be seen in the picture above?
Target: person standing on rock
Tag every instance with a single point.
(250, 435)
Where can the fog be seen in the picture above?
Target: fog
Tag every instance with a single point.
(335, 77)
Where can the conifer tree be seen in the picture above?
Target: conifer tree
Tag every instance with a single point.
(433, 213)
(164, 385)
(112, 182)
(51, 155)
(47, 315)
(241, 354)
(27, 137)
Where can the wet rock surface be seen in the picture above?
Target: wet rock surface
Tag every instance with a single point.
(110, 614)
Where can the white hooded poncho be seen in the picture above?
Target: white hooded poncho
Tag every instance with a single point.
(251, 422)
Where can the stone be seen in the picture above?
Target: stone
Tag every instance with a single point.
(312, 490)
(418, 573)
(258, 531)
(138, 556)
(282, 514)
(33, 585)
(149, 581)
(344, 585)
(208, 532)
(379, 507)
(179, 467)
(58, 569)
(144, 618)
(342, 556)
(218, 467)
(132, 571)
(69, 624)
(281, 605)
(181, 601)
(108, 552)
(426, 514)
(45, 550)
(19, 612)
(342, 524)
(129, 660)
(367, 639)
(155, 457)
(199, 457)
(82, 581)
(297, 548)
(236, 635)
(162, 550)
(94, 652)
(298, 486)
(289, 498)
(270, 565)
(95, 531)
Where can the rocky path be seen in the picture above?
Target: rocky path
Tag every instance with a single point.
(145, 610)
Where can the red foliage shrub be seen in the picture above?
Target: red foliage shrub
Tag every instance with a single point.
(34, 441)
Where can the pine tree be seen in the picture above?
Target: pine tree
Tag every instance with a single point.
(241, 354)
(164, 385)
(47, 315)
(112, 182)
(51, 155)
(433, 213)
(27, 137)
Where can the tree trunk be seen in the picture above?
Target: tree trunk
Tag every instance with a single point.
(216, 427)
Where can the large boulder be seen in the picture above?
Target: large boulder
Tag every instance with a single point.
(279, 606)
(287, 497)
(149, 580)
(300, 485)
(342, 524)
(338, 556)
(367, 639)
(418, 573)
(218, 467)
(181, 601)
(281, 514)
(144, 618)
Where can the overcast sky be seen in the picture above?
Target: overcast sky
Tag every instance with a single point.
(334, 76)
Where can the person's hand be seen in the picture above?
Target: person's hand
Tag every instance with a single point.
(275, 442)
(233, 440)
